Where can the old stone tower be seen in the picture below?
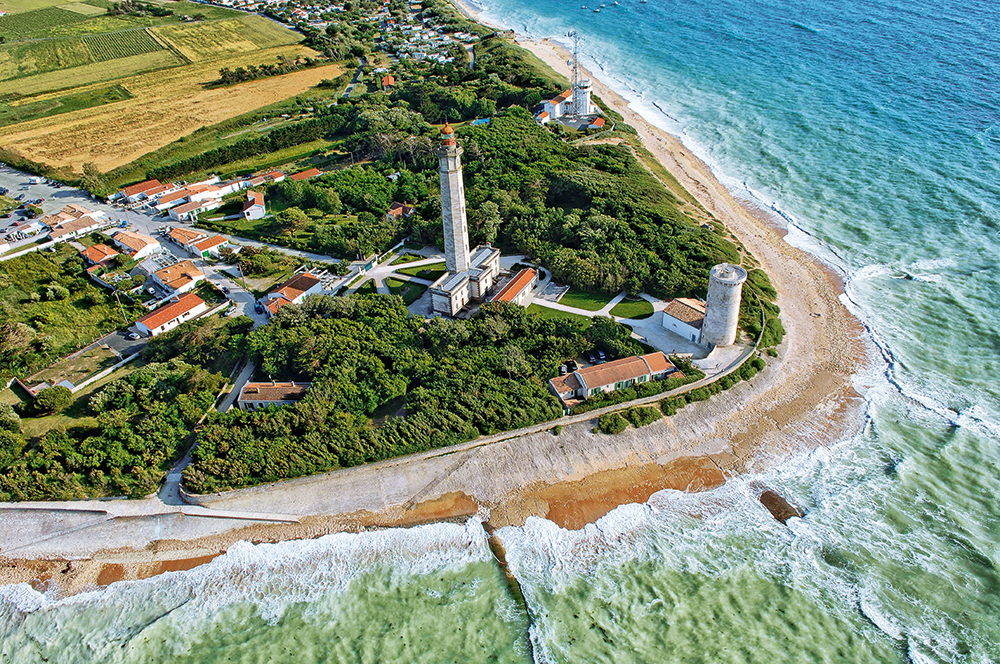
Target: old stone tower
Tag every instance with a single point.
(722, 309)
(456, 227)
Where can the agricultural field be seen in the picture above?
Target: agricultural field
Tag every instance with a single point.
(98, 72)
(121, 45)
(18, 6)
(166, 106)
(39, 57)
(22, 112)
(203, 41)
(34, 23)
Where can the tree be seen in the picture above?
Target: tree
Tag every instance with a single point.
(52, 399)
(292, 219)
(9, 420)
(93, 179)
(329, 202)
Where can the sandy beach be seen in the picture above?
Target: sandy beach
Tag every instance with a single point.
(802, 400)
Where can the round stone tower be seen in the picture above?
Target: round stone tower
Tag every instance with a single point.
(722, 308)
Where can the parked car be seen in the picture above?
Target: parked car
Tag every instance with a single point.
(225, 289)
(19, 197)
(601, 356)
(134, 335)
(5, 216)
(571, 365)
(258, 307)
(562, 370)
(592, 357)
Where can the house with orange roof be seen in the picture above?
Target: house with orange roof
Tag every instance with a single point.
(254, 207)
(191, 210)
(179, 277)
(556, 107)
(597, 123)
(186, 237)
(98, 254)
(293, 291)
(210, 246)
(305, 175)
(137, 192)
(180, 310)
(543, 118)
(136, 245)
(518, 289)
(401, 210)
(388, 81)
(577, 385)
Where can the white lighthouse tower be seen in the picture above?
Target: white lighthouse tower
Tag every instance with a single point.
(722, 306)
(470, 274)
(456, 227)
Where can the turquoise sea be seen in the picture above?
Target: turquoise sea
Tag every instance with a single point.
(873, 128)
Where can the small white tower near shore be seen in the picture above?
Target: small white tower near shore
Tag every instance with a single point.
(456, 227)
(722, 307)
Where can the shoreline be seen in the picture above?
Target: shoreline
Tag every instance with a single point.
(802, 400)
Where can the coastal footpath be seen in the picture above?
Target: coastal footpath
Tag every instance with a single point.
(803, 399)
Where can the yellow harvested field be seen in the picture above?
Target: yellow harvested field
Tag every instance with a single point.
(216, 38)
(95, 72)
(83, 8)
(167, 105)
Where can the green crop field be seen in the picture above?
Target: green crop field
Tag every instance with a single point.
(95, 72)
(39, 57)
(121, 45)
(203, 41)
(12, 114)
(14, 26)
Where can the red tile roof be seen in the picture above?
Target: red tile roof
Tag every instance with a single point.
(134, 241)
(597, 123)
(99, 253)
(657, 362)
(141, 187)
(253, 198)
(514, 287)
(388, 81)
(305, 175)
(186, 236)
(211, 243)
(179, 274)
(616, 371)
(169, 312)
(297, 285)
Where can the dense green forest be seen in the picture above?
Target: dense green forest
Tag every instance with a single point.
(435, 383)
(119, 442)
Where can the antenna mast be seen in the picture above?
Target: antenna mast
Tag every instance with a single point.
(576, 58)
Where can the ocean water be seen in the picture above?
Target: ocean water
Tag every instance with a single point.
(873, 129)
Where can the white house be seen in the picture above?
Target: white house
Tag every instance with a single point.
(169, 316)
(293, 291)
(194, 208)
(684, 317)
(211, 246)
(179, 277)
(136, 245)
(73, 221)
(557, 106)
(254, 206)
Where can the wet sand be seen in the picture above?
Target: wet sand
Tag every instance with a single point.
(805, 398)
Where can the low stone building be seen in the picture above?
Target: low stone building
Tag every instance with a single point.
(684, 317)
(519, 288)
(261, 395)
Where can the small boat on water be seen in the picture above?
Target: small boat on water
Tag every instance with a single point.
(597, 11)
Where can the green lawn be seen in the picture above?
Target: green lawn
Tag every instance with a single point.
(430, 272)
(634, 309)
(583, 300)
(78, 413)
(409, 291)
(546, 312)
(369, 288)
(76, 369)
(406, 258)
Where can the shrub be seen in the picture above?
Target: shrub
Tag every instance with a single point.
(52, 399)
(672, 405)
(612, 423)
(643, 415)
(556, 430)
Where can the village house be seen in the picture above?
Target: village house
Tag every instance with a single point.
(684, 317)
(186, 237)
(596, 123)
(73, 221)
(557, 106)
(191, 210)
(137, 192)
(388, 81)
(254, 206)
(169, 316)
(98, 254)
(261, 395)
(578, 385)
(519, 288)
(136, 245)
(305, 175)
(401, 210)
(293, 291)
(211, 246)
(179, 277)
